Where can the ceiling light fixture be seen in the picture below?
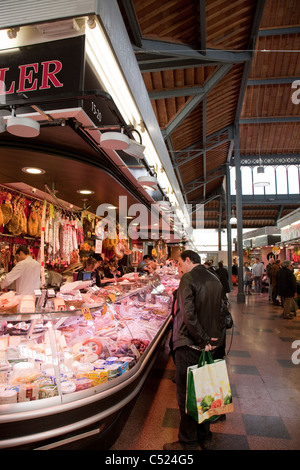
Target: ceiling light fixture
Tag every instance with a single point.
(135, 149)
(233, 219)
(114, 141)
(165, 206)
(260, 179)
(148, 182)
(33, 171)
(21, 126)
(85, 191)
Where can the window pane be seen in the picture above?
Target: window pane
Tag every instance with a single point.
(281, 180)
(247, 186)
(270, 174)
(293, 179)
(232, 180)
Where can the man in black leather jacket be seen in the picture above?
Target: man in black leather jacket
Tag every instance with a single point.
(196, 327)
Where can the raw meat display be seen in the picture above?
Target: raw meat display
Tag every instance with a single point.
(90, 350)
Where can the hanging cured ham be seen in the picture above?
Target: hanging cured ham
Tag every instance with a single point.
(1, 217)
(7, 209)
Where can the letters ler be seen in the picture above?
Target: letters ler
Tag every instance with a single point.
(28, 77)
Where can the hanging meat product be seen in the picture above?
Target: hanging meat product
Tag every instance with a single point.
(7, 209)
(1, 217)
(34, 224)
(23, 218)
(14, 225)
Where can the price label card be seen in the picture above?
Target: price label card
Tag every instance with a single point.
(104, 310)
(87, 313)
(112, 297)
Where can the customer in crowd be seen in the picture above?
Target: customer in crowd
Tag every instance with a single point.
(287, 288)
(247, 276)
(223, 276)
(234, 271)
(269, 275)
(26, 273)
(196, 327)
(274, 271)
(257, 273)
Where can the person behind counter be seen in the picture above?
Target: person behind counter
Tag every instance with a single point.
(89, 266)
(101, 270)
(26, 273)
(142, 266)
(112, 269)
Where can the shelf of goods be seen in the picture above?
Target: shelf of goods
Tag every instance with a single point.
(65, 376)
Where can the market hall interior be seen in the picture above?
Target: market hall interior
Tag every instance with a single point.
(263, 365)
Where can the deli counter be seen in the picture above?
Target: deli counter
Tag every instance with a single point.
(67, 374)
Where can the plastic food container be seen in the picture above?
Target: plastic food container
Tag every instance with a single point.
(83, 383)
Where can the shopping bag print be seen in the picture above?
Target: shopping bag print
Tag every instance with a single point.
(208, 391)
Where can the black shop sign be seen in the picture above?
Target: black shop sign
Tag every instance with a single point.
(41, 70)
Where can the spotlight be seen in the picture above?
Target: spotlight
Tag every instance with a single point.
(135, 149)
(22, 127)
(114, 141)
(148, 182)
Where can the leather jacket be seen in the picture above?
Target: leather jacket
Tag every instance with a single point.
(197, 318)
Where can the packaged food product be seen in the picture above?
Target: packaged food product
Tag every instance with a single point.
(8, 396)
(122, 367)
(113, 371)
(83, 383)
(99, 364)
(28, 392)
(48, 391)
(68, 387)
(130, 360)
(111, 360)
(99, 376)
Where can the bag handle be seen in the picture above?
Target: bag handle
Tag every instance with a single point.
(205, 357)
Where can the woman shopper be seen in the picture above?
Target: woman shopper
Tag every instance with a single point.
(247, 275)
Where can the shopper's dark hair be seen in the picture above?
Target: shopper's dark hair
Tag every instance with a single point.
(24, 250)
(194, 257)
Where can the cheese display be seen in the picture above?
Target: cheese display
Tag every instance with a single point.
(64, 353)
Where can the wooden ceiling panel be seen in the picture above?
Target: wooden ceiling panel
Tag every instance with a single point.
(278, 138)
(168, 20)
(279, 13)
(276, 56)
(267, 96)
(263, 101)
(224, 33)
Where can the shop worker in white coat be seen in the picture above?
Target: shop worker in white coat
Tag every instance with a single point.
(26, 273)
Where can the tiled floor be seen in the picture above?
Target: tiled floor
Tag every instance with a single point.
(265, 385)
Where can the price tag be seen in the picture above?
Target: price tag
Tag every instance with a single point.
(87, 313)
(112, 297)
(104, 310)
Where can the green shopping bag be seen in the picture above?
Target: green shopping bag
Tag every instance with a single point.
(208, 390)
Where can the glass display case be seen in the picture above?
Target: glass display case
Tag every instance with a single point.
(65, 373)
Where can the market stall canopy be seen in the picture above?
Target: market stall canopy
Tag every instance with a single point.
(48, 122)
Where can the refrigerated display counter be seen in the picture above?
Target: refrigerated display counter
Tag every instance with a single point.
(65, 376)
